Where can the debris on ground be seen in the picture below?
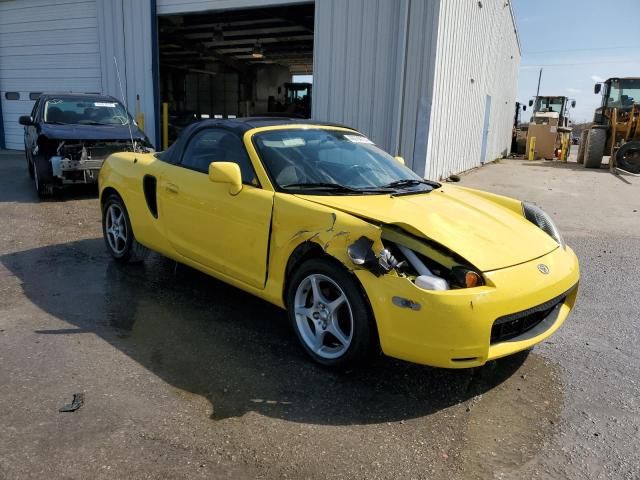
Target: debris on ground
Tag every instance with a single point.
(76, 403)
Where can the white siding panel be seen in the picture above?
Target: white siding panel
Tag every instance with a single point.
(477, 55)
(418, 82)
(45, 46)
(127, 37)
(373, 70)
(167, 7)
(355, 51)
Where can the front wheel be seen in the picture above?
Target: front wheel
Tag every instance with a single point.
(42, 176)
(330, 315)
(118, 234)
(27, 155)
(583, 144)
(594, 149)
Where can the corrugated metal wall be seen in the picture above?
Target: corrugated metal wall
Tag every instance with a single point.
(48, 45)
(477, 55)
(45, 46)
(125, 33)
(373, 70)
(413, 75)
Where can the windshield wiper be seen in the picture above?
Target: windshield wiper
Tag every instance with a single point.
(336, 187)
(411, 182)
(407, 182)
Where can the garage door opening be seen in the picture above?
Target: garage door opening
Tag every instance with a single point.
(236, 63)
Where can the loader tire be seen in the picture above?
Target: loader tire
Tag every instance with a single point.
(581, 147)
(594, 149)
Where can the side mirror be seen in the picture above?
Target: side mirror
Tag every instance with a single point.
(26, 120)
(573, 104)
(531, 103)
(400, 160)
(597, 87)
(226, 172)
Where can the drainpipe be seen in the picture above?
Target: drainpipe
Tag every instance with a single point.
(401, 68)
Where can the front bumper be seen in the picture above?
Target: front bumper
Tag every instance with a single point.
(69, 171)
(453, 328)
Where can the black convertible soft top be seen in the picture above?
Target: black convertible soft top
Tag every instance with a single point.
(237, 126)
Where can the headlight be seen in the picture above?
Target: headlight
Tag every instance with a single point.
(541, 219)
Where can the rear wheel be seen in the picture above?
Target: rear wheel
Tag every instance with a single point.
(594, 149)
(330, 315)
(42, 176)
(628, 157)
(118, 234)
(583, 144)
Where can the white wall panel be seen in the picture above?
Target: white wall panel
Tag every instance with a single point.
(45, 46)
(477, 55)
(373, 70)
(126, 35)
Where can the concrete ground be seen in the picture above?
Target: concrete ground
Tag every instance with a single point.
(185, 377)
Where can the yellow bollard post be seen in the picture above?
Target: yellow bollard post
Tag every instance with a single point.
(139, 114)
(165, 125)
(532, 148)
(565, 147)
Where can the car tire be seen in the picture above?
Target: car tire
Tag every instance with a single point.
(42, 176)
(581, 147)
(594, 149)
(330, 314)
(118, 233)
(27, 155)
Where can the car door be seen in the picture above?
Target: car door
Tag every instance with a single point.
(204, 222)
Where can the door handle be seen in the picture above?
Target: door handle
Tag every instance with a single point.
(170, 187)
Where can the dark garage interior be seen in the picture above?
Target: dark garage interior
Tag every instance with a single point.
(236, 63)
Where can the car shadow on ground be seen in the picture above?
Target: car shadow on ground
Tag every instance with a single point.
(213, 340)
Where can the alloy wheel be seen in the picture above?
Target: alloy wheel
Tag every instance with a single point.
(116, 229)
(324, 317)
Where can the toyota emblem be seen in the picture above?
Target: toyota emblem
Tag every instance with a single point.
(543, 269)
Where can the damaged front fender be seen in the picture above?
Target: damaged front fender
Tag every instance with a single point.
(297, 221)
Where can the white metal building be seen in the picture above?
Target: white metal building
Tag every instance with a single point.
(431, 80)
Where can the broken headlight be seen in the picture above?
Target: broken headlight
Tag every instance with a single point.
(542, 220)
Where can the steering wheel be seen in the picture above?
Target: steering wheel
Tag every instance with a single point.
(361, 172)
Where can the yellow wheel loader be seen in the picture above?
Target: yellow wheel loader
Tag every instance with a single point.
(551, 128)
(615, 131)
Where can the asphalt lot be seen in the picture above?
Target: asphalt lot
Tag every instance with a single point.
(185, 377)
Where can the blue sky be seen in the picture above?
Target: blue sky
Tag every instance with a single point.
(572, 41)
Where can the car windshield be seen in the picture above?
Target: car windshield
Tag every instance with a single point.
(85, 111)
(317, 159)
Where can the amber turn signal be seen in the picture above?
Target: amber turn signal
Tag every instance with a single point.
(472, 279)
(462, 277)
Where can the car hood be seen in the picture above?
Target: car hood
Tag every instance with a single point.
(483, 232)
(90, 132)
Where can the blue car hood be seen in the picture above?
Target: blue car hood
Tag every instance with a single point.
(90, 132)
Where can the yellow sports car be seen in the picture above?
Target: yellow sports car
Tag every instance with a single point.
(362, 252)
